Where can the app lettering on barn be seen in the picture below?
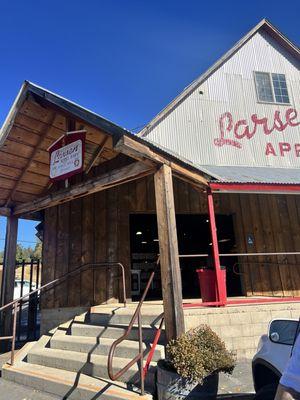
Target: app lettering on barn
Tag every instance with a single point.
(235, 133)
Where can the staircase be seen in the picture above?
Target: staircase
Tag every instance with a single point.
(71, 361)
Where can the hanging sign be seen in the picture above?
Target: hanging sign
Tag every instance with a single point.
(67, 155)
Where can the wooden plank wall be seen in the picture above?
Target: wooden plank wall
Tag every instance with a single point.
(96, 228)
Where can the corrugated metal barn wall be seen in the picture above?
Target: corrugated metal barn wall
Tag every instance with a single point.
(190, 129)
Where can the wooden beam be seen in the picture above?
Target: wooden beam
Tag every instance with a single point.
(97, 154)
(35, 149)
(7, 292)
(192, 182)
(5, 211)
(8, 274)
(109, 179)
(143, 152)
(168, 248)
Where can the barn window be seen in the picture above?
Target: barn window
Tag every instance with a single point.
(271, 88)
(280, 88)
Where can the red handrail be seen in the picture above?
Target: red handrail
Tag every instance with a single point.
(153, 347)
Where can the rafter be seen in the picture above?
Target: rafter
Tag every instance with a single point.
(44, 133)
(97, 154)
(143, 152)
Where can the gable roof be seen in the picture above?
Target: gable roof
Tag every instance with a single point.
(90, 117)
(38, 118)
(29, 88)
(263, 24)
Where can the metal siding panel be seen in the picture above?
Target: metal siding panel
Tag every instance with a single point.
(190, 129)
(253, 174)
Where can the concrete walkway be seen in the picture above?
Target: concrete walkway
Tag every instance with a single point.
(238, 386)
(239, 382)
(14, 391)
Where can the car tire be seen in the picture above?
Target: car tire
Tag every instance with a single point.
(267, 392)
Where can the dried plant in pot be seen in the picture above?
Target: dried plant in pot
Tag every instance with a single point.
(192, 365)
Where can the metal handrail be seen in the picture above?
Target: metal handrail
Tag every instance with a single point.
(283, 263)
(15, 303)
(205, 255)
(154, 344)
(139, 357)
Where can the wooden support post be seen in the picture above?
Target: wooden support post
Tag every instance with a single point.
(169, 258)
(221, 288)
(8, 274)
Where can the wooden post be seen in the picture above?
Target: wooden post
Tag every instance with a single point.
(215, 248)
(8, 275)
(169, 258)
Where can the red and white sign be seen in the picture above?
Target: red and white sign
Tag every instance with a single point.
(236, 133)
(67, 155)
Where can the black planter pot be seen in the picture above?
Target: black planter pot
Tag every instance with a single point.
(171, 386)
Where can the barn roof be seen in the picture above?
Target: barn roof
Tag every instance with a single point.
(263, 24)
(63, 104)
(242, 174)
(37, 119)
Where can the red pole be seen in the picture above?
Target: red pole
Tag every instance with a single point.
(154, 344)
(221, 289)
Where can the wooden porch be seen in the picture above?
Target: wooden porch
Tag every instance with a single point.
(113, 158)
(87, 219)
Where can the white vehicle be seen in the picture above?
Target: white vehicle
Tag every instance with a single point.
(273, 353)
(26, 288)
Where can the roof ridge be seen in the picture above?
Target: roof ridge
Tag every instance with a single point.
(198, 81)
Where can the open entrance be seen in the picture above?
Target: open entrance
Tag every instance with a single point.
(193, 238)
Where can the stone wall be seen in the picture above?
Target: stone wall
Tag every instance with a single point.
(241, 326)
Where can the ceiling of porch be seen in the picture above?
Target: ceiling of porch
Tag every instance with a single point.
(34, 126)
(37, 119)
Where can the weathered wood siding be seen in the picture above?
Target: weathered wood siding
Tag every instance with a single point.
(96, 228)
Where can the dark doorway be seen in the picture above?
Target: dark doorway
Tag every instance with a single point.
(193, 238)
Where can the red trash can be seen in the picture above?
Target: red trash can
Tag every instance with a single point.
(208, 283)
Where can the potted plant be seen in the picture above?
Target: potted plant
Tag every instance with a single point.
(192, 365)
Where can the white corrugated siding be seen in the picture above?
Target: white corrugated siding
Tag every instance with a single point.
(190, 129)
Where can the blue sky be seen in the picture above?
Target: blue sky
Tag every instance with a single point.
(125, 59)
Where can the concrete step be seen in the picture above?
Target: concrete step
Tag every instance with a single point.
(105, 316)
(91, 365)
(114, 332)
(68, 384)
(101, 346)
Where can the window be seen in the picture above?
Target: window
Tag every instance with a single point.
(264, 87)
(280, 88)
(271, 88)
